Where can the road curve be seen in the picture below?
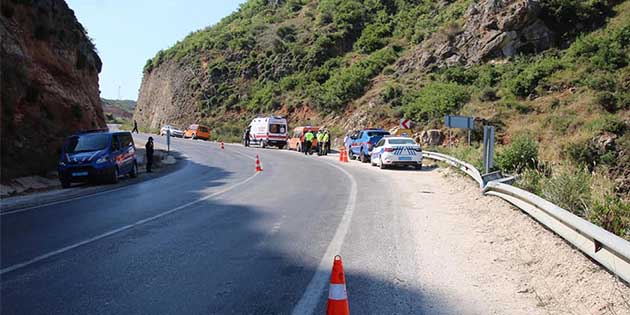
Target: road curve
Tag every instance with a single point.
(215, 237)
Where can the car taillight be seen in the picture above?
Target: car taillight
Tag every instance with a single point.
(389, 150)
(369, 145)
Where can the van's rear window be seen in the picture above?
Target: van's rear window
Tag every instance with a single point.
(87, 143)
(277, 128)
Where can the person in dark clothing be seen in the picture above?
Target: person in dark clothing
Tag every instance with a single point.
(135, 126)
(247, 133)
(149, 152)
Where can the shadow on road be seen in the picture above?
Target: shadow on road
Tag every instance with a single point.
(211, 257)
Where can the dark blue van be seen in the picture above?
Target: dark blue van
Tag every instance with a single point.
(97, 155)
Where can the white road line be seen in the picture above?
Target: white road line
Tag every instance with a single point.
(315, 288)
(121, 229)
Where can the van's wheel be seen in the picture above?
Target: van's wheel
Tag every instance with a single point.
(194, 136)
(362, 157)
(134, 170)
(114, 176)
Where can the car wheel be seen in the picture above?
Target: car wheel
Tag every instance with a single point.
(263, 144)
(362, 157)
(64, 183)
(381, 165)
(134, 170)
(114, 176)
(194, 136)
(351, 155)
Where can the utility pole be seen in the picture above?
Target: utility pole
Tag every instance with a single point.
(119, 92)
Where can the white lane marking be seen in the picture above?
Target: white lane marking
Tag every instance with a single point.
(310, 298)
(124, 228)
(125, 185)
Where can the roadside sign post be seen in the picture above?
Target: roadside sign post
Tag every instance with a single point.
(459, 122)
(488, 148)
(168, 140)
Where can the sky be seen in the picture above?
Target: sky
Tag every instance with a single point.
(128, 32)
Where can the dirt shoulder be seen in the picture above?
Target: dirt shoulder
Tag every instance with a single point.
(491, 251)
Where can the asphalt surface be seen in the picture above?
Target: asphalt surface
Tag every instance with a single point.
(214, 237)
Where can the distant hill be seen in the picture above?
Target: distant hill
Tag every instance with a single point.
(118, 110)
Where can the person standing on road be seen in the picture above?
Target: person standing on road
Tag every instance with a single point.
(135, 126)
(320, 142)
(149, 153)
(308, 141)
(247, 133)
(326, 144)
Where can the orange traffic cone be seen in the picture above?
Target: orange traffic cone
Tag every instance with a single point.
(343, 155)
(222, 147)
(337, 294)
(258, 168)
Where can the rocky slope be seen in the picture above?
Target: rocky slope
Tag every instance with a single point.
(49, 70)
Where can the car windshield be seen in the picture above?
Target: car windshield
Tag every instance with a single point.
(401, 141)
(87, 143)
(277, 128)
(203, 129)
(377, 133)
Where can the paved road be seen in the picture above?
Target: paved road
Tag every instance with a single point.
(212, 238)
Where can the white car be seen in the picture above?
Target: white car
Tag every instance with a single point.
(396, 151)
(174, 131)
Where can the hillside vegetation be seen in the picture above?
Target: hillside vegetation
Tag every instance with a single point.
(553, 76)
(118, 111)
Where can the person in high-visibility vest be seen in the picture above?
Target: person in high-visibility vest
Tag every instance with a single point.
(320, 140)
(326, 143)
(308, 141)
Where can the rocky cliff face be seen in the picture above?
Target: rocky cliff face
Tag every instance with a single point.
(492, 29)
(49, 73)
(163, 88)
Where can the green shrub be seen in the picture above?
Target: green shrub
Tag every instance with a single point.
(612, 214)
(488, 95)
(530, 180)
(374, 37)
(520, 154)
(391, 92)
(574, 16)
(459, 75)
(436, 100)
(526, 81)
(351, 82)
(607, 101)
(569, 188)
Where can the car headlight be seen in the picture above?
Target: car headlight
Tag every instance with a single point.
(102, 160)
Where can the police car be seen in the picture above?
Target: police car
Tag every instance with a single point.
(396, 151)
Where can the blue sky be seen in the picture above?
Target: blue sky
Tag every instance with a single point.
(128, 32)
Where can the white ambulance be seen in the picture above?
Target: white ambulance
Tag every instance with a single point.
(269, 131)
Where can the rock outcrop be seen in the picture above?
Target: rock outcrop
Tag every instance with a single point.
(49, 74)
(492, 29)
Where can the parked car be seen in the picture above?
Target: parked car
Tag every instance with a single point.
(363, 142)
(268, 131)
(396, 151)
(196, 131)
(97, 155)
(297, 138)
(174, 131)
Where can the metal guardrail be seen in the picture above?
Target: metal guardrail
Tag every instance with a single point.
(610, 250)
(461, 165)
